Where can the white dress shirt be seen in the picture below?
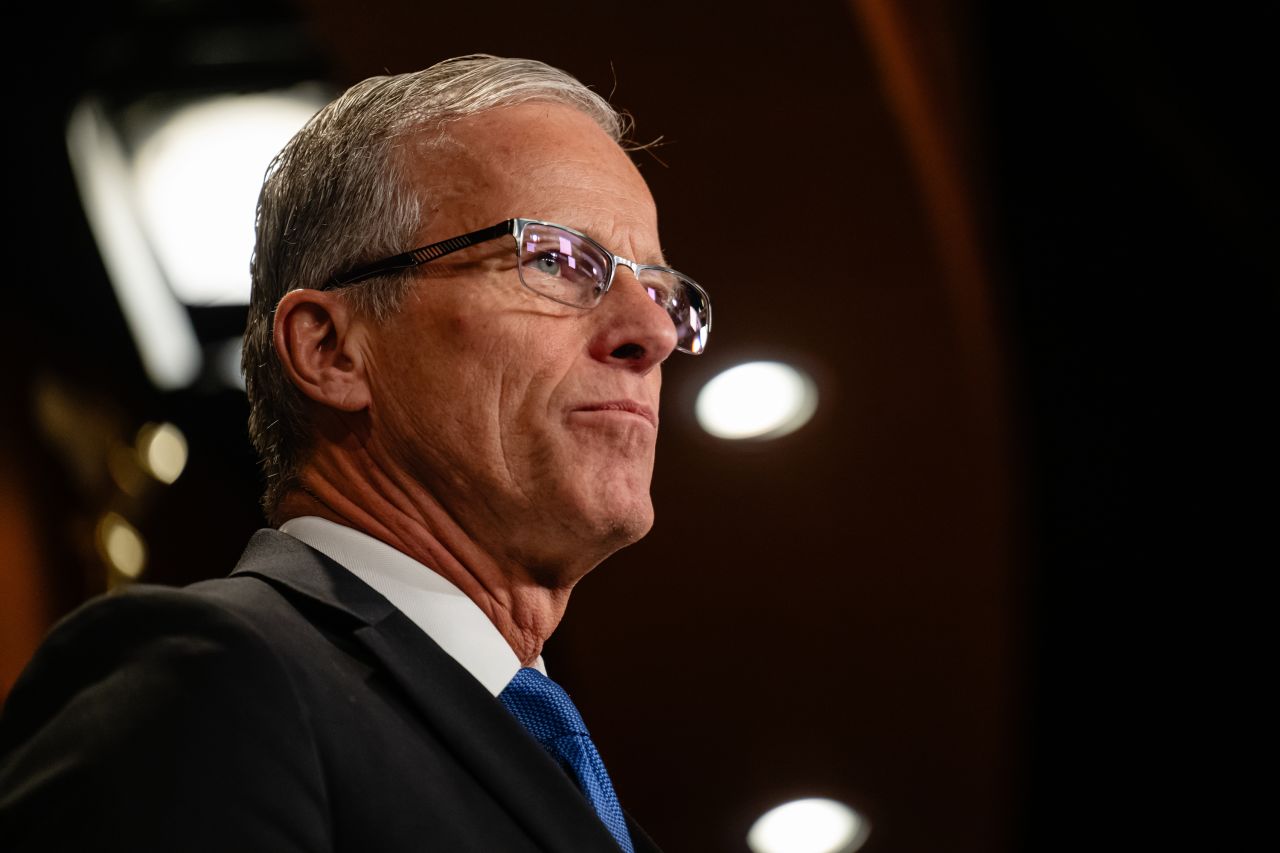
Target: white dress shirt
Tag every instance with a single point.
(435, 605)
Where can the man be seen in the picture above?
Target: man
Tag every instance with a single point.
(453, 436)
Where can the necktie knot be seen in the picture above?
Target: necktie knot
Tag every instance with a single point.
(542, 706)
(547, 712)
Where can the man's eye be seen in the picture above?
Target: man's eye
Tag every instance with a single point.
(547, 263)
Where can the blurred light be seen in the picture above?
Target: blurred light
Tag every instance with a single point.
(808, 826)
(170, 194)
(163, 451)
(227, 363)
(161, 328)
(121, 546)
(198, 178)
(126, 469)
(759, 400)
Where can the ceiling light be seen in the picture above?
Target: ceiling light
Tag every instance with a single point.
(756, 400)
(170, 187)
(198, 177)
(161, 329)
(813, 825)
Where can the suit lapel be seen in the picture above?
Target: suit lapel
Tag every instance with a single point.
(484, 737)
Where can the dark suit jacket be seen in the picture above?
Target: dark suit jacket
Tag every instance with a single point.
(286, 707)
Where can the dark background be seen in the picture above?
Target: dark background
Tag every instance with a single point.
(996, 594)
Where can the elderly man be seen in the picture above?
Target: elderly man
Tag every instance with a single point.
(454, 389)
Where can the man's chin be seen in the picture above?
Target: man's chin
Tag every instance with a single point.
(593, 541)
(613, 525)
(634, 528)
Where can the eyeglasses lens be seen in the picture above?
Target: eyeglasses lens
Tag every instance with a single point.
(569, 269)
(562, 266)
(683, 302)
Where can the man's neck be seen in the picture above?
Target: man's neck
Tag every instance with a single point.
(523, 610)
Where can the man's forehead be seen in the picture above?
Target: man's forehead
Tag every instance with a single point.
(537, 160)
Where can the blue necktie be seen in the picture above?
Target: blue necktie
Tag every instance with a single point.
(548, 713)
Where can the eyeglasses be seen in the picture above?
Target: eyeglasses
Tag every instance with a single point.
(568, 267)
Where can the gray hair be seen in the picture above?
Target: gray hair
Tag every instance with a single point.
(337, 196)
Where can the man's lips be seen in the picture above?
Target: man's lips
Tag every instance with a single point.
(625, 406)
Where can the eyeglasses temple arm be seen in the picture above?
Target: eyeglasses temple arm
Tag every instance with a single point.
(420, 256)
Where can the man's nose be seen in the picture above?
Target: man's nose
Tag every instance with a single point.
(634, 332)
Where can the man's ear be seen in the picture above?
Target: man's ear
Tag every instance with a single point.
(319, 341)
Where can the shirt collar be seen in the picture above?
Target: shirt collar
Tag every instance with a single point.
(440, 609)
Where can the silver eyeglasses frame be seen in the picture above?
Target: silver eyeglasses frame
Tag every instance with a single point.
(699, 328)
